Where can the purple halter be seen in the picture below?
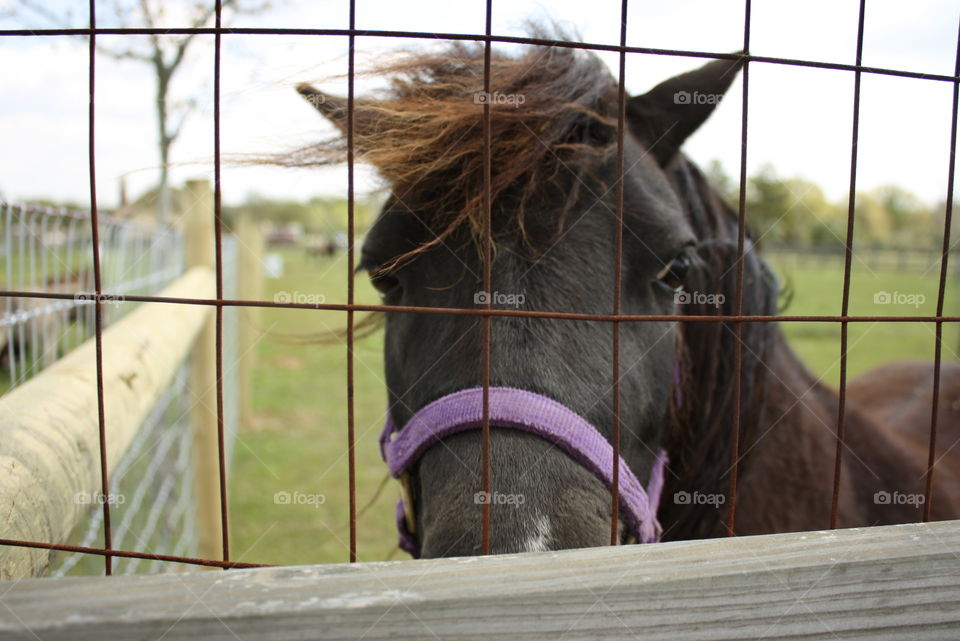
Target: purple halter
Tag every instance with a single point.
(530, 412)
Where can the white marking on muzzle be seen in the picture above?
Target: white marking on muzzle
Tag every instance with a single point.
(539, 539)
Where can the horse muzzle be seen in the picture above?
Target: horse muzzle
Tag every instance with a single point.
(529, 412)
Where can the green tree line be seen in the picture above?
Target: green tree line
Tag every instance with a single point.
(795, 212)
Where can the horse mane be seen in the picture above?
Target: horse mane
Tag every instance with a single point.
(423, 132)
(700, 440)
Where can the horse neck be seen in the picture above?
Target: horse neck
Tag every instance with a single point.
(782, 412)
(787, 429)
(788, 461)
(779, 399)
(787, 474)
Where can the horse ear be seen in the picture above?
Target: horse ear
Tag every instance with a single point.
(333, 107)
(666, 115)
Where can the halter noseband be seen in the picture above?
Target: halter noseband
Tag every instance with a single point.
(529, 412)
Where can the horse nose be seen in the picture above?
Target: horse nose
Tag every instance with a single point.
(539, 499)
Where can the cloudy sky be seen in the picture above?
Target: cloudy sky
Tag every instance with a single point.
(800, 119)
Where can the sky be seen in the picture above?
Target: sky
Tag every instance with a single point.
(799, 119)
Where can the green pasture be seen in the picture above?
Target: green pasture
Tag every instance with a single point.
(817, 289)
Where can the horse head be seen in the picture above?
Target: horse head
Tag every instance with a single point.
(553, 197)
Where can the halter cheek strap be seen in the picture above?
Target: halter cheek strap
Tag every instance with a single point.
(528, 412)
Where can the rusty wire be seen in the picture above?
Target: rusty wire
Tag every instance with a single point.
(98, 289)
(487, 287)
(618, 281)
(486, 313)
(944, 261)
(847, 264)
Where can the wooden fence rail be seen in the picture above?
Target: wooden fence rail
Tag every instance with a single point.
(894, 582)
(49, 426)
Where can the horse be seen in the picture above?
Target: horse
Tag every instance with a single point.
(553, 202)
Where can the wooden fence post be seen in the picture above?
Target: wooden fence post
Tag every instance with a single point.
(249, 287)
(199, 251)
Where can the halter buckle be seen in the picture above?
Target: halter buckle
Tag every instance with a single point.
(407, 497)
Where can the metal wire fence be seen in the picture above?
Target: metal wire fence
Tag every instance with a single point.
(615, 318)
(154, 485)
(48, 250)
(912, 259)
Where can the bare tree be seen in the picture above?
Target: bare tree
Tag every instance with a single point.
(163, 53)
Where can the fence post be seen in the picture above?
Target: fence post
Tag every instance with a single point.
(199, 251)
(249, 287)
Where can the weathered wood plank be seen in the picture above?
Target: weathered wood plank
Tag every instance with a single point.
(49, 426)
(896, 582)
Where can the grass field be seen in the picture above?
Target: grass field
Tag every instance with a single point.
(818, 290)
(297, 442)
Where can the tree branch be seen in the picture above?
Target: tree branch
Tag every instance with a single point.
(124, 54)
(148, 19)
(198, 22)
(59, 21)
(185, 108)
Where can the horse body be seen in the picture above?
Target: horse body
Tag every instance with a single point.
(898, 398)
(787, 469)
(552, 194)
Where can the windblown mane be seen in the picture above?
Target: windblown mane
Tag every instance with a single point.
(424, 133)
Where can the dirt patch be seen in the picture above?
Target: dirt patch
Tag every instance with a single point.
(263, 423)
(289, 362)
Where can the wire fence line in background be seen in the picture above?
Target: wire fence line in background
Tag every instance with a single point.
(919, 259)
(48, 250)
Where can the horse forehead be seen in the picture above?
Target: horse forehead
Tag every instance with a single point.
(652, 205)
(651, 195)
(396, 230)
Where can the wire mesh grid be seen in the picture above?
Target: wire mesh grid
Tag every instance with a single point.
(49, 251)
(615, 318)
(153, 484)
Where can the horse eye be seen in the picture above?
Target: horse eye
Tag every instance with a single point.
(385, 284)
(674, 274)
